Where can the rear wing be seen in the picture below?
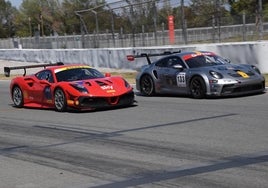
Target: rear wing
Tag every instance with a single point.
(8, 69)
(132, 57)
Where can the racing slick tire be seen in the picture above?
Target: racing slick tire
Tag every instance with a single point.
(17, 97)
(147, 85)
(60, 102)
(198, 87)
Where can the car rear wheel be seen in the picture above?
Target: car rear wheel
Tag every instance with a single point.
(147, 85)
(198, 88)
(60, 100)
(17, 97)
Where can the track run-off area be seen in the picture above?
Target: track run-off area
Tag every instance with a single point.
(160, 142)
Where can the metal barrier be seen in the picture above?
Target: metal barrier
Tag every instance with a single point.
(231, 33)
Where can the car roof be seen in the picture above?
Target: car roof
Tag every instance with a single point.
(68, 66)
(196, 53)
(187, 54)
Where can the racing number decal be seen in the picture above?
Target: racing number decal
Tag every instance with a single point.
(181, 81)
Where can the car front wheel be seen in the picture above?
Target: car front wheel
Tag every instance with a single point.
(198, 88)
(147, 85)
(60, 100)
(17, 97)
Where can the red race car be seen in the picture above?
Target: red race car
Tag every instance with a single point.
(74, 86)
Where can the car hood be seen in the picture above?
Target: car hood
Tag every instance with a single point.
(234, 71)
(108, 86)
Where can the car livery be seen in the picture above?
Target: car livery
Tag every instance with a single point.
(74, 86)
(198, 74)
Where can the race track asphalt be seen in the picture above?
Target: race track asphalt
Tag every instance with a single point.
(160, 142)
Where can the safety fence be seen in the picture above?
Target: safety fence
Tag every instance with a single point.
(231, 33)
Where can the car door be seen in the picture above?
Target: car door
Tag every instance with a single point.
(41, 89)
(172, 75)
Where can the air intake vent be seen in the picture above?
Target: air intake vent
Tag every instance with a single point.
(88, 83)
(101, 83)
(108, 81)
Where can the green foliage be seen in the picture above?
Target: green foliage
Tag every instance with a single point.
(6, 19)
(49, 17)
(248, 7)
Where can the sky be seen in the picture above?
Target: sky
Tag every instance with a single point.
(15, 3)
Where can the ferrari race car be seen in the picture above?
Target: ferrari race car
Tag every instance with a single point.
(74, 86)
(198, 74)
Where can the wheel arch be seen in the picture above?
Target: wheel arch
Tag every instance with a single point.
(65, 96)
(22, 102)
(205, 79)
(62, 88)
(12, 88)
(152, 79)
(145, 74)
(58, 87)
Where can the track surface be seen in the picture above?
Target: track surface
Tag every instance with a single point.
(163, 141)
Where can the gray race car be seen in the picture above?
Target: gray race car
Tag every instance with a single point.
(198, 74)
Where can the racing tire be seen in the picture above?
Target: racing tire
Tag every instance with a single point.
(198, 88)
(60, 102)
(147, 85)
(17, 97)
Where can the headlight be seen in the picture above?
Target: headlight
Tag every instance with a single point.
(80, 88)
(215, 74)
(256, 69)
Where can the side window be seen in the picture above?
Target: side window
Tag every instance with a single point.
(161, 63)
(180, 62)
(175, 61)
(45, 75)
(170, 62)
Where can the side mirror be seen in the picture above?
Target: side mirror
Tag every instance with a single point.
(107, 74)
(178, 66)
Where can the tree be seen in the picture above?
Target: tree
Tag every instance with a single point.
(81, 15)
(42, 17)
(206, 13)
(247, 7)
(6, 19)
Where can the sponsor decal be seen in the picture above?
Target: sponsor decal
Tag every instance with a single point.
(197, 53)
(107, 87)
(47, 92)
(25, 94)
(243, 74)
(110, 91)
(49, 101)
(70, 67)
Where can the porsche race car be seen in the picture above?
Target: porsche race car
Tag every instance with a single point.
(198, 74)
(74, 86)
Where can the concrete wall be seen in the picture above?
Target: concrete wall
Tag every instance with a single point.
(248, 52)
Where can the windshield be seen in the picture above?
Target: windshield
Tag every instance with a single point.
(78, 74)
(205, 60)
